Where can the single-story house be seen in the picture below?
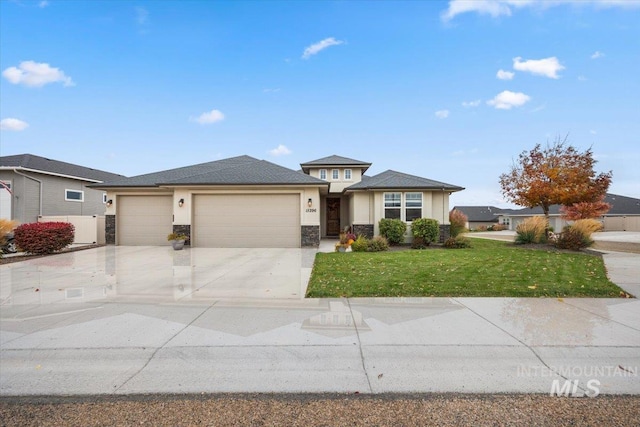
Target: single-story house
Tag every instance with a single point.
(246, 202)
(624, 215)
(479, 216)
(33, 186)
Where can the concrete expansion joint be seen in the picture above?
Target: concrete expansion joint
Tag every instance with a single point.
(531, 349)
(601, 316)
(135, 374)
(364, 366)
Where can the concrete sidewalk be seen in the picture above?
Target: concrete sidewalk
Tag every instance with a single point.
(146, 343)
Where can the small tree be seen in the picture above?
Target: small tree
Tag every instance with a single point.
(585, 210)
(426, 229)
(458, 221)
(556, 175)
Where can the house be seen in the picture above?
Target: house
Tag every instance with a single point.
(624, 215)
(33, 186)
(246, 202)
(479, 216)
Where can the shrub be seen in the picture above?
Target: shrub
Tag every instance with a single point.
(6, 227)
(531, 230)
(457, 243)
(425, 228)
(587, 226)
(572, 238)
(458, 221)
(44, 237)
(378, 244)
(481, 228)
(393, 230)
(418, 243)
(360, 244)
(499, 227)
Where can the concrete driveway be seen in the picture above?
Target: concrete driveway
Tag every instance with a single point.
(115, 273)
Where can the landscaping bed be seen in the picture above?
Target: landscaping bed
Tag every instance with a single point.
(488, 269)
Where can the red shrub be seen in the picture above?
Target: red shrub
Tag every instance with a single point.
(44, 237)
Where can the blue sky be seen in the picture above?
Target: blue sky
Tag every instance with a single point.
(448, 90)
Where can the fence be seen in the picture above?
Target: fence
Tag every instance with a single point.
(89, 229)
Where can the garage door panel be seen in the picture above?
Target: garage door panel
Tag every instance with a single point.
(247, 220)
(144, 220)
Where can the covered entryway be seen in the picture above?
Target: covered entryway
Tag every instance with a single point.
(246, 221)
(144, 220)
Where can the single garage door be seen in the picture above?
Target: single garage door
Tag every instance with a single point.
(247, 221)
(144, 220)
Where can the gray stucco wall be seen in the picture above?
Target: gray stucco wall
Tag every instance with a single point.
(26, 197)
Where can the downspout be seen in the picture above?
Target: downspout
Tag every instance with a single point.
(40, 187)
(443, 217)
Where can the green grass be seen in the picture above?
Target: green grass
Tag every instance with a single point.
(489, 269)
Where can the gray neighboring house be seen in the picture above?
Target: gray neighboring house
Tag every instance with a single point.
(624, 215)
(246, 202)
(32, 186)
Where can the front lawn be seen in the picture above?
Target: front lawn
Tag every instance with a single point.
(489, 269)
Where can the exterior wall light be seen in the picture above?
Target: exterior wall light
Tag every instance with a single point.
(109, 203)
(180, 202)
(309, 202)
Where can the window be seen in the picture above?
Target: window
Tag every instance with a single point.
(335, 174)
(104, 198)
(413, 206)
(323, 174)
(74, 195)
(506, 221)
(392, 205)
(347, 174)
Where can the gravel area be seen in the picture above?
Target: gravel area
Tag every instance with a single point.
(321, 410)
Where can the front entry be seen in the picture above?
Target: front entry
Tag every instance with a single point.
(333, 217)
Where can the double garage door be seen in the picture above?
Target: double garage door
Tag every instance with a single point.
(219, 221)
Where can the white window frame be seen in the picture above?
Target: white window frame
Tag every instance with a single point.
(104, 198)
(335, 174)
(392, 203)
(348, 175)
(66, 195)
(407, 201)
(323, 174)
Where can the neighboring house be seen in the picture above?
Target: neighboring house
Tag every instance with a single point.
(246, 202)
(479, 216)
(624, 215)
(33, 186)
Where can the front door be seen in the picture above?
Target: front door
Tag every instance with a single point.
(333, 217)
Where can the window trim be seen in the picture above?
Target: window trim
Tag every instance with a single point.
(385, 207)
(403, 204)
(104, 198)
(335, 172)
(321, 173)
(66, 195)
(350, 178)
(405, 207)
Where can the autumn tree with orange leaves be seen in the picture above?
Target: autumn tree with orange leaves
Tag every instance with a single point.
(556, 175)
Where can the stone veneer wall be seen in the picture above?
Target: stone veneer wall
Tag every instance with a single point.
(445, 232)
(110, 229)
(309, 235)
(365, 229)
(183, 229)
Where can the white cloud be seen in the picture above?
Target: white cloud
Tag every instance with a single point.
(505, 75)
(496, 8)
(547, 67)
(321, 45)
(280, 150)
(582, 79)
(592, 132)
(13, 124)
(597, 54)
(43, 4)
(506, 100)
(469, 104)
(36, 74)
(208, 117)
(539, 108)
(142, 15)
(442, 114)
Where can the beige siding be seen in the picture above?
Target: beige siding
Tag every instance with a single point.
(144, 220)
(246, 220)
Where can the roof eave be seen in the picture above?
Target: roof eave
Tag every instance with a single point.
(23, 169)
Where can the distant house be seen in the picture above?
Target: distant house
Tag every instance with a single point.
(246, 202)
(479, 216)
(33, 186)
(624, 215)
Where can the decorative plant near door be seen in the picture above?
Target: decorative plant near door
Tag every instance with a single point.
(177, 240)
(346, 239)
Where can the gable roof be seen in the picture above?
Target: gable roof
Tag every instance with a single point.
(241, 170)
(480, 213)
(33, 163)
(335, 160)
(392, 180)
